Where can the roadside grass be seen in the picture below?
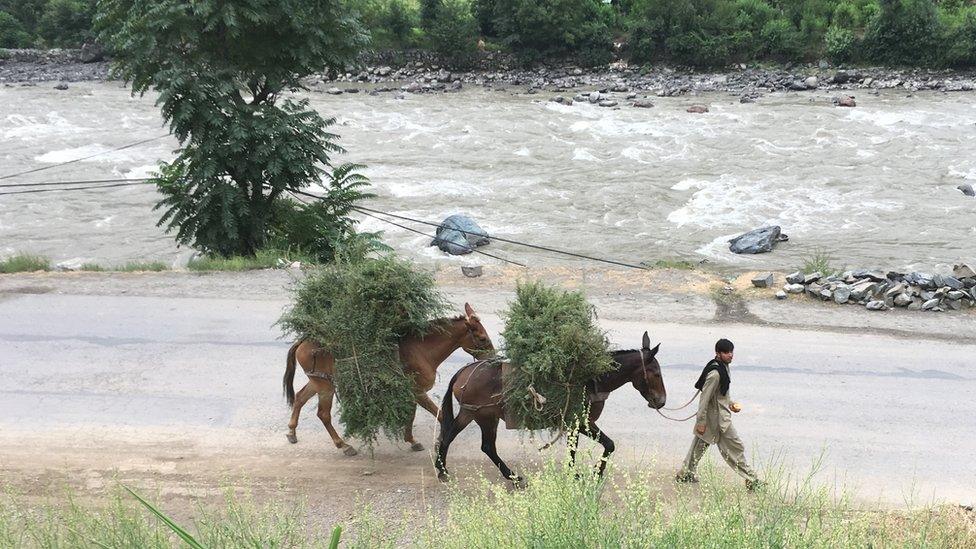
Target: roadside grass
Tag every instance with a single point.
(140, 266)
(819, 262)
(678, 264)
(24, 263)
(263, 259)
(560, 506)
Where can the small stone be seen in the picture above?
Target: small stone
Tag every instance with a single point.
(632, 95)
(73, 264)
(966, 188)
(764, 280)
(643, 104)
(875, 306)
(472, 271)
(963, 271)
(847, 101)
(795, 278)
(842, 294)
(915, 305)
(956, 295)
(794, 288)
(902, 300)
(62, 86)
(594, 97)
(697, 109)
(951, 282)
(811, 82)
(781, 295)
(812, 277)
(608, 103)
(333, 91)
(954, 305)
(930, 304)
(825, 294)
(295, 265)
(558, 99)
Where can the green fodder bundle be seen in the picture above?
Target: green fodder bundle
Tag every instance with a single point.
(358, 312)
(556, 348)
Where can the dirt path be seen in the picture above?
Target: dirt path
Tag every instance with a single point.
(171, 382)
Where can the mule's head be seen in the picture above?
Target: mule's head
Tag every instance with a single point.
(476, 341)
(647, 375)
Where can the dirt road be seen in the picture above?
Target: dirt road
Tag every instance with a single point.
(160, 387)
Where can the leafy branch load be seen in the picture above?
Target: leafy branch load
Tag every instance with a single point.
(359, 312)
(556, 348)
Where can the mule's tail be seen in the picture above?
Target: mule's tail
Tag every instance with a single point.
(288, 383)
(447, 405)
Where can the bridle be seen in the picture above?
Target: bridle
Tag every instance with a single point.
(474, 337)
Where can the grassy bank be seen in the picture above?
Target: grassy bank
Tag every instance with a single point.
(24, 263)
(555, 510)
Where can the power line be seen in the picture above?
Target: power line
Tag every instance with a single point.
(31, 191)
(395, 224)
(84, 182)
(58, 165)
(364, 210)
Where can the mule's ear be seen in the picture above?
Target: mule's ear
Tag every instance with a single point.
(646, 342)
(468, 311)
(655, 350)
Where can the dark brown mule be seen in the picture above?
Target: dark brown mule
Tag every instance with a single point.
(420, 357)
(478, 389)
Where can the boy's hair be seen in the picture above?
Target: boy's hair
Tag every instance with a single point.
(724, 346)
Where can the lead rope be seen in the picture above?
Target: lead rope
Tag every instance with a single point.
(685, 405)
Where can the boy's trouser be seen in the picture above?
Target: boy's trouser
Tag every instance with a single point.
(731, 449)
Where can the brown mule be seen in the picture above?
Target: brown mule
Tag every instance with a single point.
(420, 357)
(478, 388)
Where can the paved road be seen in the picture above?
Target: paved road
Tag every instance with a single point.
(892, 417)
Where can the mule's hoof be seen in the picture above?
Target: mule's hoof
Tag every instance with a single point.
(417, 447)
(349, 451)
(292, 438)
(518, 482)
(443, 476)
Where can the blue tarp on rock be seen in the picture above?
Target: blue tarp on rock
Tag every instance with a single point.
(458, 233)
(757, 241)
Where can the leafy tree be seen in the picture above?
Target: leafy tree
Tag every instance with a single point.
(399, 20)
(67, 23)
(904, 32)
(553, 27)
(428, 12)
(454, 33)
(12, 33)
(221, 68)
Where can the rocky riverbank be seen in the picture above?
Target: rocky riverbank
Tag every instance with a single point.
(421, 72)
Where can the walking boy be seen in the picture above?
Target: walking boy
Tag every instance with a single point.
(713, 424)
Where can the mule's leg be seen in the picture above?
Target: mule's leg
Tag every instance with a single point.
(489, 432)
(325, 414)
(300, 399)
(408, 434)
(444, 440)
(597, 434)
(427, 404)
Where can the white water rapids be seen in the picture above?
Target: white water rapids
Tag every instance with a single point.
(873, 186)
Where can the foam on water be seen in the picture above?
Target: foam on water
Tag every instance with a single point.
(105, 155)
(30, 127)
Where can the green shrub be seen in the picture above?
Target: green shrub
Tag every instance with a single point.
(846, 16)
(904, 32)
(67, 23)
(541, 28)
(781, 39)
(960, 39)
(454, 33)
(399, 18)
(264, 259)
(12, 33)
(839, 44)
(24, 263)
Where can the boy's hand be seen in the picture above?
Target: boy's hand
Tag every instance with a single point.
(700, 428)
(735, 407)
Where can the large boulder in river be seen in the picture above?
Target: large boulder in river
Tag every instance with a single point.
(756, 242)
(458, 234)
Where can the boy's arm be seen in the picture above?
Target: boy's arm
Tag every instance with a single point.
(708, 390)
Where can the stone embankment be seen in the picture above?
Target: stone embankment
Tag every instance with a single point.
(423, 72)
(879, 291)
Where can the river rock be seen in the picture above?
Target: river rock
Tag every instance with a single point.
(812, 277)
(698, 109)
(594, 97)
(333, 91)
(632, 95)
(825, 294)
(956, 295)
(930, 304)
(607, 103)
(902, 300)
(842, 294)
(781, 295)
(967, 189)
(811, 82)
(863, 290)
(73, 264)
(875, 306)
(846, 101)
(458, 234)
(963, 271)
(795, 278)
(62, 86)
(794, 288)
(643, 104)
(764, 280)
(756, 241)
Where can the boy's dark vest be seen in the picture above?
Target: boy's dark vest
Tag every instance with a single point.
(723, 374)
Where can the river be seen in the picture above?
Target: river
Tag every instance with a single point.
(873, 186)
